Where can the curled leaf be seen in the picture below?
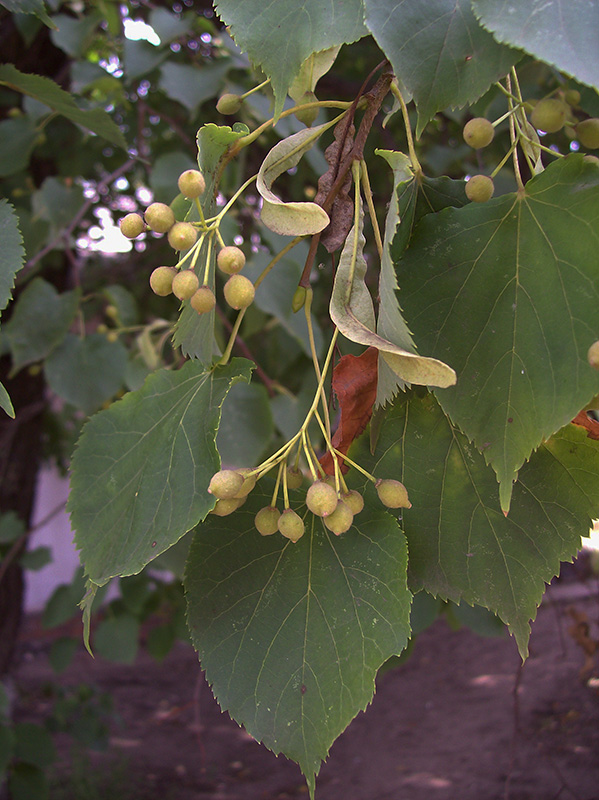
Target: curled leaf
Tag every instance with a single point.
(294, 218)
(311, 71)
(352, 311)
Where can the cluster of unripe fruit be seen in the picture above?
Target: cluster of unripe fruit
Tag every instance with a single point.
(550, 115)
(184, 283)
(336, 508)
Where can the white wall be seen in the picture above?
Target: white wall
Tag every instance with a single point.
(52, 490)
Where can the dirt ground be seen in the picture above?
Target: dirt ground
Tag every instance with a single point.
(459, 720)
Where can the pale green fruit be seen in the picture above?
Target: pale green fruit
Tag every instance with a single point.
(161, 280)
(225, 507)
(249, 481)
(191, 183)
(340, 520)
(230, 260)
(321, 499)
(239, 292)
(478, 132)
(354, 501)
(291, 525)
(549, 115)
(572, 97)
(229, 104)
(132, 225)
(480, 188)
(182, 236)
(299, 299)
(593, 355)
(392, 494)
(203, 300)
(307, 115)
(225, 484)
(587, 132)
(267, 520)
(159, 217)
(295, 477)
(185, 284)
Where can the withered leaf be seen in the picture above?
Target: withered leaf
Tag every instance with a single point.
(354, 383)
(342, 210)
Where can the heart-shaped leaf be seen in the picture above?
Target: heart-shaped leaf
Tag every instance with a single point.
(291, 635)
(507, 292)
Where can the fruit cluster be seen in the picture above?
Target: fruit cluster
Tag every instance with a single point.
(548, 115)
(182, 280)
(333, 502)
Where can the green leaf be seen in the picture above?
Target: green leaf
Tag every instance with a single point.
(438, 51)
(5, 402)
(390, 323)
(40, 321)
(411, 199)
(27, 782)
(165, 174)
(460, 543)
(311, 71)
(124, 302)
(194, 333)
(36, 7)
(280, 36)
(36, 559)
(34, 745)
(57, 202)
(74, 35)
(139, 58)
(7, 743)
(352, 311)
(86, 372)
(62, 653)
(141, 469)
(11, 527)
(291, 635)
(117, 638)
(246, 425)
(46, 91)
(12, 254)
(169, 26)
(191, 86)
(293, 218)
(507, 293)
(275, 293)
(562, 34)
(18, 137)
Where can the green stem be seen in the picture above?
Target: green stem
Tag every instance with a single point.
(352, 463)
(208, 257)
(371, 209)
(255, 89)
(275, 493)
(289, 246)
(308, 313)
(514, 140)
(357, 207)
(406, 120)
(227, 354)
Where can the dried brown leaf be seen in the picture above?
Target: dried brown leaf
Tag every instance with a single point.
(342, 210)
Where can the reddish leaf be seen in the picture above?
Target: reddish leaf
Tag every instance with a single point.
(591, 425)
(354, 383)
